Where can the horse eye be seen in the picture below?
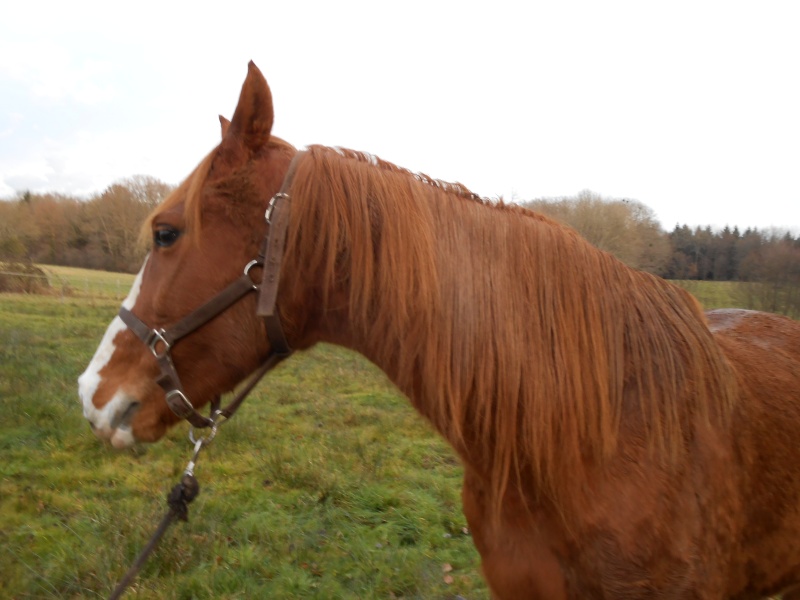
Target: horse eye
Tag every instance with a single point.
(165, 237)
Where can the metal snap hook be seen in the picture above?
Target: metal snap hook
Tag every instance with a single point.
(198, 445)
(205, 440)
(212, 430)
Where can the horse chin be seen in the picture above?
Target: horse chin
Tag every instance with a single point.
(135, 426)
(122, 438)
(128, 436)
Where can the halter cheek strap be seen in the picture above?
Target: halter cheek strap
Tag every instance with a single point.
(277, 218)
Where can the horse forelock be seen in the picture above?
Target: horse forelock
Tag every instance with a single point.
(189, 193)
(527, 348)
(234, 182)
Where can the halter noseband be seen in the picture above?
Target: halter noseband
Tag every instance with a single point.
(160, 341)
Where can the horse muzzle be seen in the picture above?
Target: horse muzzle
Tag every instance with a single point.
(113, 421)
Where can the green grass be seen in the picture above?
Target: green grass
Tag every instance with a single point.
(781, 299)
(714, 294)
(325, 485)
(87, 283)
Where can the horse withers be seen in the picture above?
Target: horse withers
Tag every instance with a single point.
(617, 442)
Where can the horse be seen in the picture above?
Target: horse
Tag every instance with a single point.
(617, 441)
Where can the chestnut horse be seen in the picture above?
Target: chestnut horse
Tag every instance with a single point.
(616, 441)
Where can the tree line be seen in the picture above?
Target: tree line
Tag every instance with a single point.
(765, 262)
(101, 232)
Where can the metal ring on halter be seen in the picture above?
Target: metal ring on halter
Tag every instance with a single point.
(250, 265)
(253, 263)
(156, 336)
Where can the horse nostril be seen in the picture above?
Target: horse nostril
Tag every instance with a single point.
(126, 416)
(92, 425)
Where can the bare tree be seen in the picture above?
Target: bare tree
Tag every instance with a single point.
(116, 216)
(147, 190)
(626, 228)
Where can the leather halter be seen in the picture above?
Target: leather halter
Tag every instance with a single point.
(160, 341)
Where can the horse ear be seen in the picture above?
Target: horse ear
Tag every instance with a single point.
(224, 124)
(252, 120)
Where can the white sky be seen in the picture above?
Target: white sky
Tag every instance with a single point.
(690, 107)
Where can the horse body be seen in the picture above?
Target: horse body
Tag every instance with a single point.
(616, 444)
(723, 523)
(764, 349)
(726, 526)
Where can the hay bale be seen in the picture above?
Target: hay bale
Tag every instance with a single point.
(23, 278)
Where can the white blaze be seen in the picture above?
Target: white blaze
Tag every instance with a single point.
(89, 381)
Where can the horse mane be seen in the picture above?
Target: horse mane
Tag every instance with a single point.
(526, 347)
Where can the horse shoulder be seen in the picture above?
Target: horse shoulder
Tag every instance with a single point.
(636, 528)
(520, 556)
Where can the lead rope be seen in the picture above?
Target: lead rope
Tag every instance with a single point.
(178, 501)
(186, 490)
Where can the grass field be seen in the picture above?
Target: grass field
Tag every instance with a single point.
(88, 284)
(713, 294)
(325, 485)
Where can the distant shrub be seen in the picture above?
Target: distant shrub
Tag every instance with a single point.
(23, 278)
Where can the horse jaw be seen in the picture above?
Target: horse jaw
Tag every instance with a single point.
(111, 421)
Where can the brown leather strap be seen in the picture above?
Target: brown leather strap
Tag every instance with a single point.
(211, 309)
(278, 219)
(268, 295)
(191, 322)
(232, 406)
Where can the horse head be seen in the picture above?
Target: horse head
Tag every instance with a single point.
(202, 237)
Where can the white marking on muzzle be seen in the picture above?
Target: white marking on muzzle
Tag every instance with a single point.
(106, 420)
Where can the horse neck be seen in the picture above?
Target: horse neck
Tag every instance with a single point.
(511, 334)
(411, 283)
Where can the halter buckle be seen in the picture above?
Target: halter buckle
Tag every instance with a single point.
(271, 206)
(182, 409)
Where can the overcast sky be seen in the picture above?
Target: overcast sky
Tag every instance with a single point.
(690, 107)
